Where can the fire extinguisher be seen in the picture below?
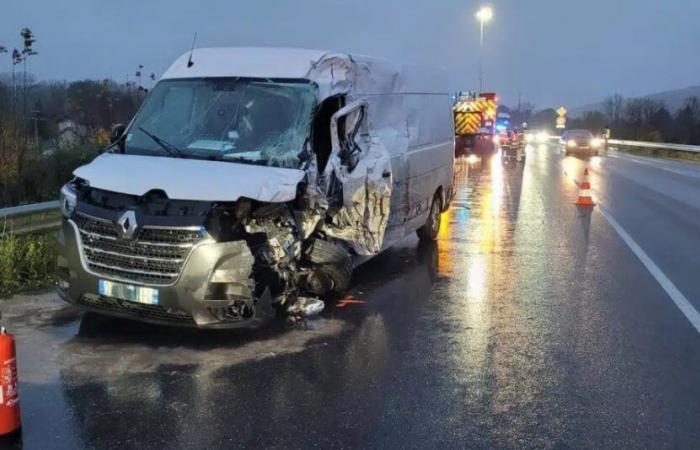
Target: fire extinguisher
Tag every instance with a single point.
(10, 421)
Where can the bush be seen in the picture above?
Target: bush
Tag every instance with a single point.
(27, 261)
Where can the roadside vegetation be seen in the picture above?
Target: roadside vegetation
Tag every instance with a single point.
(662, 153)
(48, 128)
(27, 261)
(637, 119)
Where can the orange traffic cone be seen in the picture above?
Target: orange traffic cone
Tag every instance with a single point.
(10, 422)
(584, 193)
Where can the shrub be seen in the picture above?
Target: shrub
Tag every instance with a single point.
(27, 261)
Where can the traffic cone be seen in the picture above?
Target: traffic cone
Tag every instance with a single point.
(584, 192)
(10, 421)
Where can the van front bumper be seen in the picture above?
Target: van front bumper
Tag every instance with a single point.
(212, 291)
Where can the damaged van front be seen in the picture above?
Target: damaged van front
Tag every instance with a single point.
(243, 187)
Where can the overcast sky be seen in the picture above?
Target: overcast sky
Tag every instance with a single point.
(551, 52)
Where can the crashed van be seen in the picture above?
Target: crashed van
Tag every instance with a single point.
(252, 180)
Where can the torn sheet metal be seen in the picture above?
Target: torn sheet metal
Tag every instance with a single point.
(364, 215)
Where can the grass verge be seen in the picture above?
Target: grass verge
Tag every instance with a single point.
(661, 153)
(26, 261)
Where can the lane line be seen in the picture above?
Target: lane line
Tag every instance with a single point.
(676, 295)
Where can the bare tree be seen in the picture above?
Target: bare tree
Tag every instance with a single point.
(613, 107)
(17, 58)
(139, 74)
(27, 51)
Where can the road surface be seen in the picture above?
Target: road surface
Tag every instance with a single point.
(531, 323)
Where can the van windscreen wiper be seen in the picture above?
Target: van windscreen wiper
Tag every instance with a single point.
(167, 146)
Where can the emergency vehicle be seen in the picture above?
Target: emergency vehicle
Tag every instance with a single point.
(475, 123)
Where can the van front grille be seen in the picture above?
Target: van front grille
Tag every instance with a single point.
(154, 256)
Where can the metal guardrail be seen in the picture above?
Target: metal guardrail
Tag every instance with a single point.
(660, 145)
(645, 144)
(30, 218)
(28, 209)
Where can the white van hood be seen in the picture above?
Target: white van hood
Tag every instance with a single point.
(190, 179)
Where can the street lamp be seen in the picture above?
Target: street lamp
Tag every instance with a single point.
(484, 15)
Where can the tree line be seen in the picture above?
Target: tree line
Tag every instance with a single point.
(48, 128)
(639, 119)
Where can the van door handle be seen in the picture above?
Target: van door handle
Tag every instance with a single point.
(386, 174)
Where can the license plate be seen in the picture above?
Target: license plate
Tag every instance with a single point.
(137, 294)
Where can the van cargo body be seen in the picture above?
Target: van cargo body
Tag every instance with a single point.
(252, 180)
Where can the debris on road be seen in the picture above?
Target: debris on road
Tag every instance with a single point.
(306, 307)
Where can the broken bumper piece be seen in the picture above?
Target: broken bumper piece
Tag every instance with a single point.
(214, 289)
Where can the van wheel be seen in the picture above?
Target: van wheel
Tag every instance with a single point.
(329, 278)
(339, 276)
(429, 231)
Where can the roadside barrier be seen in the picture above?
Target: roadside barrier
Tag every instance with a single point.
(30, 218)
(645, 144)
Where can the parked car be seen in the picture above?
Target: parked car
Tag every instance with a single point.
(579, 142)
(252, 180)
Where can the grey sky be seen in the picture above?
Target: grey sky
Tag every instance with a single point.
(551, 51)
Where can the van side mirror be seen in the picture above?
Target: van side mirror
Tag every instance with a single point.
(116, 133)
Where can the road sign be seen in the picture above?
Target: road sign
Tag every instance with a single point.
(561, 111)
(561, 122)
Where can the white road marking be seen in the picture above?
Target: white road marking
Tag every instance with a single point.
(676, 295)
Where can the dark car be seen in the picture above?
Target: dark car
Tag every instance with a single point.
(579, 142)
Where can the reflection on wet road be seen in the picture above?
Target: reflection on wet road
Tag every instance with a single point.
(528, 324)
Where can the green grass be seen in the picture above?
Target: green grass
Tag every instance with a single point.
(26, 262)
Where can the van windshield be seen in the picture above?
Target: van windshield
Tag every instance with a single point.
(228, 119)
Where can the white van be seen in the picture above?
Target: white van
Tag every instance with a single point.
(254, 177)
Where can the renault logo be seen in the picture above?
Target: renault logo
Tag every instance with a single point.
(126, 225)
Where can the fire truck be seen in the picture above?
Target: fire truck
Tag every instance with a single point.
(475, 123)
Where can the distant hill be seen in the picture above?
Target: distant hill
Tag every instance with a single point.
(672, 99)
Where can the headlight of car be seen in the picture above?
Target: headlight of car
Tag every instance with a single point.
(529, 137)
(542, 137)
(571, 143)
(496, 139)
(67, 200)
(595, 143)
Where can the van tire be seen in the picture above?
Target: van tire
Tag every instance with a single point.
(339, 276)
(429, 231)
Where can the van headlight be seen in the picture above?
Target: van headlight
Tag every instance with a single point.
(67, 200)
(571, 143)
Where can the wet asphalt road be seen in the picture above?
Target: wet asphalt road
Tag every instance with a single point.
(529, 324)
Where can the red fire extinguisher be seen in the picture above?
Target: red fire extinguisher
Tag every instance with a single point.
(10, 422)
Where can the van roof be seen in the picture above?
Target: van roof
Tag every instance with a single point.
(334, 72)
(252, 62)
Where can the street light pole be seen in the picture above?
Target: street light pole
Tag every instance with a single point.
(481, 59)
(485, 14)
